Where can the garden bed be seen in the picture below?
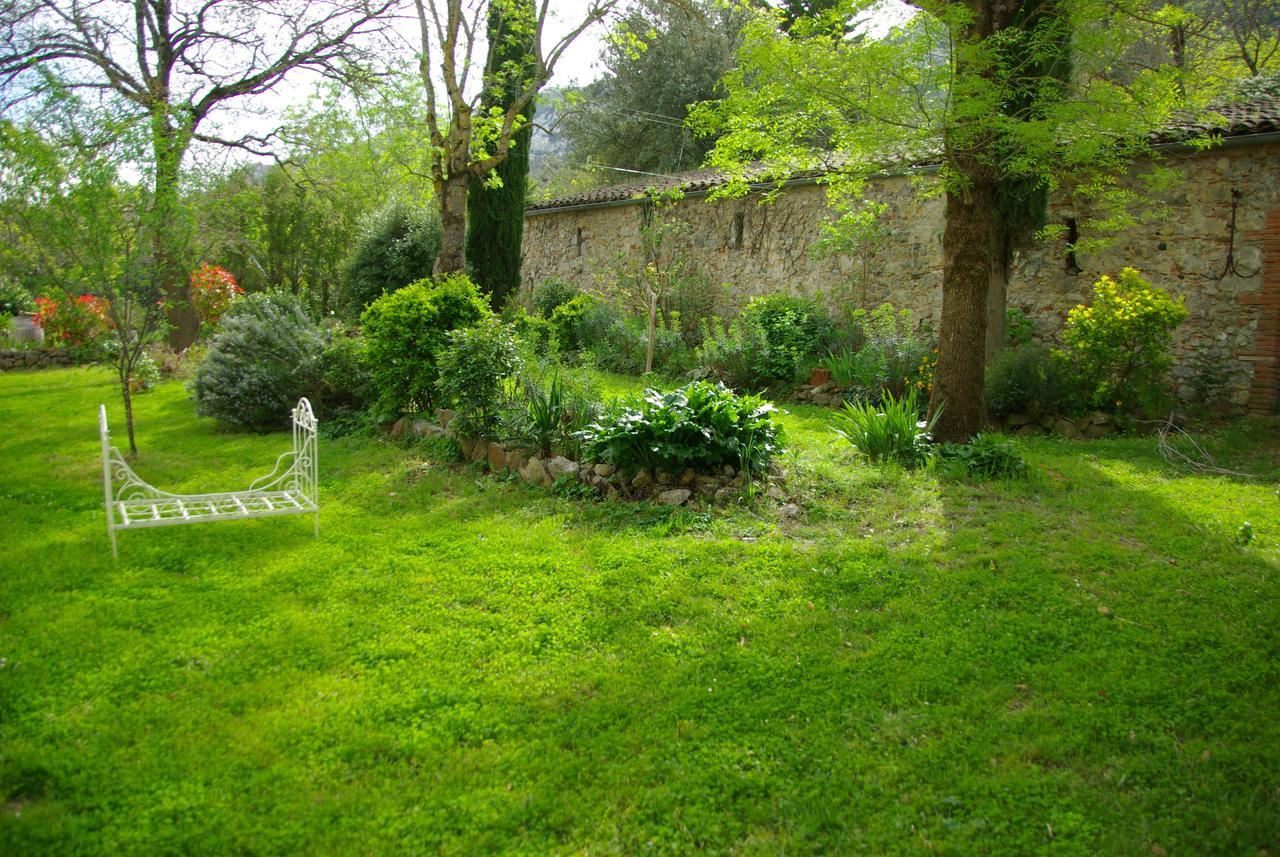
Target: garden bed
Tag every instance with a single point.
(605, 480)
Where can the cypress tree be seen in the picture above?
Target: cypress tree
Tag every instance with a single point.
(495, 215)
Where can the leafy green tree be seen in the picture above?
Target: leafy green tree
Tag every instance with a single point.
(962, 85)
(394, 247)
(173, 64)
(495, 203)
(465, 139)
(87, 233)
(662, 57)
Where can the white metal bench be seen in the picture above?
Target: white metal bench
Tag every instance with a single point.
(289, 489)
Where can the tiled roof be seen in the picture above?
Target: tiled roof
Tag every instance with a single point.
(1241, 119)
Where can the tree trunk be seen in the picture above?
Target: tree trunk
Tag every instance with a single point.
(453, 223)
(169, 146)
(966, 282)
(128, 412)
(653, 332)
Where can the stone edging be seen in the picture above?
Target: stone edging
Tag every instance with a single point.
(605, 479)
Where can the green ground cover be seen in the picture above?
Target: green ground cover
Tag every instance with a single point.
(1086, 662)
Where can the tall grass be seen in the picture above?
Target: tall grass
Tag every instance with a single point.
(890, 431)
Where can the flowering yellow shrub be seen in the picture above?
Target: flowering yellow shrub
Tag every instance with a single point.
(1118, 343)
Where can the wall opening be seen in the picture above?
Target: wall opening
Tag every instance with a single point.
(739, 229)
(578, 241)
(1073, 235)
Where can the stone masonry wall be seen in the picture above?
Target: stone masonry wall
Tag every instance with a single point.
(34, 358)
(1234, 317)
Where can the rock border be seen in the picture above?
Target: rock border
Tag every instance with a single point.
(606, 480)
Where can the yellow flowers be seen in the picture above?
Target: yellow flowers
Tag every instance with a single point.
(1121, 339)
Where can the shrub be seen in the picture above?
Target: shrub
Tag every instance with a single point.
(702, 425)
(1028, 380)
(551, 294)
(618, 342)
(734, 353)
(891, 431)
(265, 355)
(172, 363)
(568, 320)
(795, 329)
(553, 415)
(73, 322)
(891, 359)
(987, 456)
(1210, 384)
(406, 331)
(536, 333)
(347, 374)
(902, 359)
(1118, 344)
(396, 246)
(473, 365)
(213, 289)
(1019, 329)
(693, 298)
(864, 372)
(14, 298)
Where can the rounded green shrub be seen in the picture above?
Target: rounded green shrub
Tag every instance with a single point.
(552, 293)
(473, 365)
(266, 354)
(703, 426)
(734, 353)
(406, 331)
(347, 374)
(569, 321)
(1119, 343)
(396, 245)
(1029, 380)
(796, 330)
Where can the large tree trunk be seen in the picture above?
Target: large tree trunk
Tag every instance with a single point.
(967, 263)
(168, 241)
(453, 223)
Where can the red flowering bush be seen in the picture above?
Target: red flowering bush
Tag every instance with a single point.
(73, 323)
(213, 289)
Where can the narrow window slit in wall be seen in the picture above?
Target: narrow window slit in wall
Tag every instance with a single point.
(739, 228)
(577, 241)
(1073, 235)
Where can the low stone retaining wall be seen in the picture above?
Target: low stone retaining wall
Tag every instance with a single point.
(671, 489)
(34, 358)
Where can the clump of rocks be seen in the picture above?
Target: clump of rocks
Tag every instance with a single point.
(826, 393)
(670, 489)
(1088, 427)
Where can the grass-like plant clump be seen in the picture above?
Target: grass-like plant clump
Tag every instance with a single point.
(888, 431)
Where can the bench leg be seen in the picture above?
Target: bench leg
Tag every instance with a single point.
(115, 554)
(317, 523)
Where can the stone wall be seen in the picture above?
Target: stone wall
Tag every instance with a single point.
(757, 248)
(34, 358)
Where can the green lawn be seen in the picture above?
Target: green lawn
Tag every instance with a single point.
(1084, 663)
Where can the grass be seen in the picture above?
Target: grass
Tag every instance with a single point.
(1080, 663)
